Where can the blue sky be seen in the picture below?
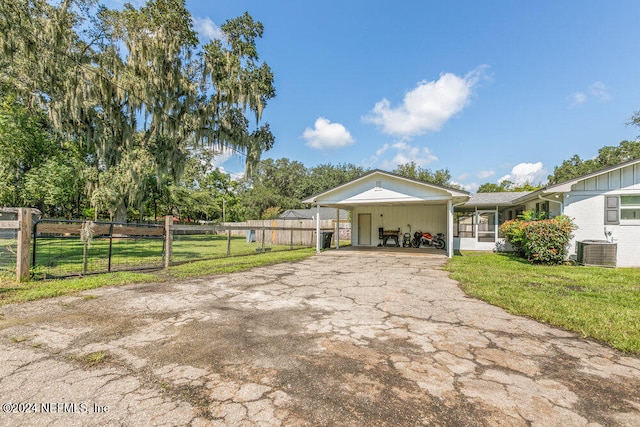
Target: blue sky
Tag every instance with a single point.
(487, 89)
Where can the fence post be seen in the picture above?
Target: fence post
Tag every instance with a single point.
(229, 242)
(168, 240)
(110, 246)
(24, 244)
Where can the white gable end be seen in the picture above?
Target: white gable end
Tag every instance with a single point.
(384, 188)
(381, 195)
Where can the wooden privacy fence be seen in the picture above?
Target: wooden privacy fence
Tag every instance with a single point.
(282, 231)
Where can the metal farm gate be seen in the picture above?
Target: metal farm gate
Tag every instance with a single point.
(66, 248)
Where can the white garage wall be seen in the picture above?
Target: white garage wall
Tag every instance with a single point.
(430, 218)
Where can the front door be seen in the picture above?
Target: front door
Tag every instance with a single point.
(487, 226)
(364, 229)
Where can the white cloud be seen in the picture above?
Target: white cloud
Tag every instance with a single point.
(428, 106)
(400, 153)
(472, 187)
(577, 98)
(327, 135)
(221, 155)
(522, 173)
(486, 174)
(207, 28)
(597, 90)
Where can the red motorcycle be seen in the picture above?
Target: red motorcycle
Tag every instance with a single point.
(427, 239)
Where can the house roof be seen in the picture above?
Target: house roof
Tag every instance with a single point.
(453, 192)
(565, 186)
(494, 199)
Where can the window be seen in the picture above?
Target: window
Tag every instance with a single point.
(622, 209)
(543, 208)
(378, 185)
(629, 207)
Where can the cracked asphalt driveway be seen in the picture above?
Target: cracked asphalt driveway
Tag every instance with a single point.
(342, 338)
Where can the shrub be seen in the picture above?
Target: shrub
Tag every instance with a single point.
(513, 231)
(545, 241)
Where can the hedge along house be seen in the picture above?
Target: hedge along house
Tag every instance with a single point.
(605, 205)
(381, 200)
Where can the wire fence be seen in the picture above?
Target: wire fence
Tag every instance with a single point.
(8, 240)
(198, 242)
(8, 248)
(67, 248)
(62, 248)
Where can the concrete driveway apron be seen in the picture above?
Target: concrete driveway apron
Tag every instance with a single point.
(342, 338)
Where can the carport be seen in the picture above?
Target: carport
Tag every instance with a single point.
(381, 200)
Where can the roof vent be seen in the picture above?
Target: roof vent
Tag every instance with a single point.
(378, 185)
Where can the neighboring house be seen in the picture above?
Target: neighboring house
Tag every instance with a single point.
(603, 204)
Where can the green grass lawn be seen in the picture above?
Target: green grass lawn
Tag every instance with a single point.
(599, 303)
(57, 257)
(64, 256)
(12, 292)
(187, 248)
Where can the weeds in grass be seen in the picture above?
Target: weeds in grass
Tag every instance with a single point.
(93, 359)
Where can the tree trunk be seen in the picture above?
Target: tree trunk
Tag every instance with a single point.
(121, 213)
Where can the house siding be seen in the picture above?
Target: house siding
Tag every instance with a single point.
(431, 218)
(586, 205)
(588, 213)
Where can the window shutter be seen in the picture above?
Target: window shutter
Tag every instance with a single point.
(611, 210)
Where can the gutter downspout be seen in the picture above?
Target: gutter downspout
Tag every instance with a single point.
(554, 201)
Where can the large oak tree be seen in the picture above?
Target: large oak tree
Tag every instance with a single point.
(135, 87)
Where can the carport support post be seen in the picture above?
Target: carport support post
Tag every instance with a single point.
(449, 228)
(337, 228)
(24, 244)
(318, 229)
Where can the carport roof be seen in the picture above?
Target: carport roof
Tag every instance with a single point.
(349, 194)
